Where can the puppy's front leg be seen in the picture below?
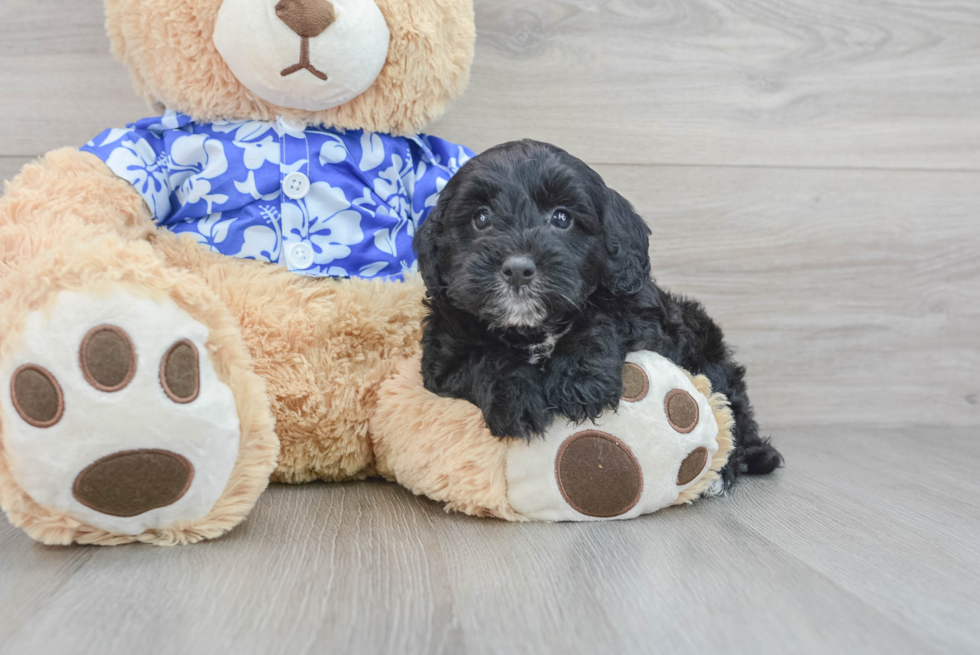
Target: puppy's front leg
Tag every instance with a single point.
(509, 393)
(584, 375)
(508, 390)
(514, 403)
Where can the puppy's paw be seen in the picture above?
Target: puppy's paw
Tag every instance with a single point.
(658, 449)
(579, 412)
(530, 424)
(113, 413)
(582, 393)
(523, 412)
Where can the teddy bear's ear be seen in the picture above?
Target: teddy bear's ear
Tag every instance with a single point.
(627, 246)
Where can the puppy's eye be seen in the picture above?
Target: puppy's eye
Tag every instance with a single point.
(481, 219)
(561, 219)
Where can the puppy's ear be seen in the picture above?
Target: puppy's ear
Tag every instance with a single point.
(427, 251)
(627, 246)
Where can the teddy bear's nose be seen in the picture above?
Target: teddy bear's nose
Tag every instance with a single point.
(308, 18)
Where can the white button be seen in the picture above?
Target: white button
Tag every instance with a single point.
(291, 125)
(296, 186)
(300, 256)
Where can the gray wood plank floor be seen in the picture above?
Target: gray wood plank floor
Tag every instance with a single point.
(811, 171)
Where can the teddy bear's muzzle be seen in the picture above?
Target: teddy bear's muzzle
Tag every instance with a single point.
(132, 482)
(309, 19)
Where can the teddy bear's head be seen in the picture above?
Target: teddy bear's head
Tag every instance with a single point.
(378, 65)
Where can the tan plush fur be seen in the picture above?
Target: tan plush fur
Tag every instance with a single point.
(440, 447)
(323, 346)
(96, 267)
(174, 64)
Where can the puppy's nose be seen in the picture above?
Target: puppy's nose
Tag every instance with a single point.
(308, 18)
(519, 271)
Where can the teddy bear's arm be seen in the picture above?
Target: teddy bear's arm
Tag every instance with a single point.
(66, 198)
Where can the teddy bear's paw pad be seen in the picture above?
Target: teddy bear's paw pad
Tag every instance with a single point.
(634, 461)
(692, 466)
(114, 414)
(131, 483)
(108, 358)
(37, 396)
(598, 474)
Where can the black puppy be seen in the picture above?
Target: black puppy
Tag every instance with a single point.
(538, 280)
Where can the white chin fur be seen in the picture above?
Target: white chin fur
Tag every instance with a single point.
(520, 313)
(258, 46)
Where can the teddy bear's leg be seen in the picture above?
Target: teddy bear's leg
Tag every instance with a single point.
(323, 346)
(129, 410)
(664, 446)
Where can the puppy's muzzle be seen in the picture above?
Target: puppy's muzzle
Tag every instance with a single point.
(519, 271)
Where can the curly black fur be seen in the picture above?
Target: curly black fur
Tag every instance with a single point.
(557, 344)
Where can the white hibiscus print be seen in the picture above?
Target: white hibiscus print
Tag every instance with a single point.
(111, 136)
(212, 230)
(249, 187)
(325, 219)
(372, 151)
(391, 187)
(333, 151)
(257, 154)
(244, 130)
(194, 160)
(370, 270)
(221, 170)
(253, 138)
(138, 163)
(170, 120)
(263, 243)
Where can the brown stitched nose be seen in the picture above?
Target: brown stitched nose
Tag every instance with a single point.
(308, 18)
(132, 482)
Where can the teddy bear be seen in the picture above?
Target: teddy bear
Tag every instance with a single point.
(224, 294)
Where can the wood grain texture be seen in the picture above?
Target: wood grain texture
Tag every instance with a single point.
(873, 552)
(60, 86)
(880, 83)
(852, 296)
(811, 172)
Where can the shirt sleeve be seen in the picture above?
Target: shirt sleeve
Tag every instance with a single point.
(138, 155)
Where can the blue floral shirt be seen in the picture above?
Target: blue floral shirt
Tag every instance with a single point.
(319, 201)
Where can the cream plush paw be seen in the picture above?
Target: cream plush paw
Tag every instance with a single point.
(113, 414)
(664, 446)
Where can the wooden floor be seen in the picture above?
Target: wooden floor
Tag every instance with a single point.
(811, 171)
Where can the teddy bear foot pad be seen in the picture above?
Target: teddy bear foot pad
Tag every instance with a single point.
(656, 450)
(114, 415)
